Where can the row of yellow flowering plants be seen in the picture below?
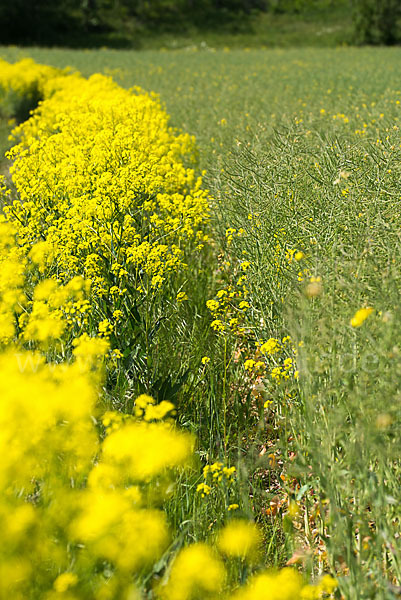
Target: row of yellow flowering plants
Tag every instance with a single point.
(101, 219)
(104, 188)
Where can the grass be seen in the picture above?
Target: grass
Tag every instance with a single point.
(254, 90)
(302, 151)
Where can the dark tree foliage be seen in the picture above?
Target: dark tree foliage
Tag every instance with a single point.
(198, 12)
(377, 21)
(37, 20)
(47, 21)
(52, 22)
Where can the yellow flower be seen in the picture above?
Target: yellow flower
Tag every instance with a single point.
(283, 585)
(270, 347)
(217, 325)
(204, 489)
(65, 581)
(116, 354)
(213, 305)
(360, 316)
(196, 570)
(249, 364)
(239, 538)
(145, 450)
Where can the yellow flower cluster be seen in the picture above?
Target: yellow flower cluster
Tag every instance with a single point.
(294, 254)
(196, 573)
(360, 316)
(37, 312)
(146, 409)
(22, 85)
(50, 448)
(273, 355)
(229, 306)
(68, 496)
(217, 476)
(287, 584)
(284, 371)
(240, 539)
(105, 188)
(199, 571)
(12, 280)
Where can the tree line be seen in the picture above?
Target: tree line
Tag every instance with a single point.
(47, 21)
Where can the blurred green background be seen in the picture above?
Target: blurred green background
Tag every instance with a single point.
(179, 23)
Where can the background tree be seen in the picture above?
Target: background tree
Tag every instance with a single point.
(67, 22)
(377, 21)
(38, 21)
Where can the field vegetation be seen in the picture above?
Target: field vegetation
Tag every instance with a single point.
(200, 318)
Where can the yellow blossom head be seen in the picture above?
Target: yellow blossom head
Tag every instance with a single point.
(240, 539)
(360, 316)
(196, 570)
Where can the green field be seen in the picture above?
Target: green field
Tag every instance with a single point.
(302, 153)
(254, 90)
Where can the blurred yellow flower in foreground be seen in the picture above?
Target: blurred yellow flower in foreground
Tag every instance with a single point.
(240, 538)
(360, 316)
